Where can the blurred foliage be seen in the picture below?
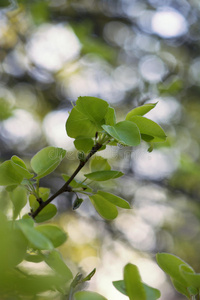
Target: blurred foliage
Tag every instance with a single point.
(53, 51)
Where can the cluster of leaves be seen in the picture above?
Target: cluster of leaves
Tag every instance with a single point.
(92, 123)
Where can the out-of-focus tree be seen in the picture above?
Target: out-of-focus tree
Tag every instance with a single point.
(127, 52)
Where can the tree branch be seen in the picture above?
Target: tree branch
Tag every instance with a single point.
(66, 187)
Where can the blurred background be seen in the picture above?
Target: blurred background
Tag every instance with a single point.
(127, 52)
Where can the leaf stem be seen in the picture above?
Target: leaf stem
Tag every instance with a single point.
(66, 187)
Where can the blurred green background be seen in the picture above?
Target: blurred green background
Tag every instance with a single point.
(127, 52)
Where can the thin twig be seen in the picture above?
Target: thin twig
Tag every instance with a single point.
(66, 187)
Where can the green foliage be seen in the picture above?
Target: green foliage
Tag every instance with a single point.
(92, 122)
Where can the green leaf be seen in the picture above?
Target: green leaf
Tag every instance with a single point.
(133, 284)
(9, 175)
(77, 203)
(56, 263)
(125, 132)
(86, 295)
(103, 175)
(149, 128)
(110, 117)
(34, 257)
(114, 199)
(46, 160)
(180, 288)
(83, 144)
(191, 278)
(151, 293)
(99, 163)
(90, 275)
(86, 117)
(140, 110)
(170, 265)
(94, 108)
(192, 291)
(19, 199)
(56, 235)
(47, 213)
(120, 286)
(20, 167)
(106, 209)
(43, 194)
(37, 239)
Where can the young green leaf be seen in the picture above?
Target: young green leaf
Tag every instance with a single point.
(120, 286)
(133, 284)
(191, 278)
(86, 295)
(37, 239)
(103, 175)
(90, 275)
(170, 265)
(46, 160)
(180, 288)
(106, 209)
(125, 132)
(77, 203)
(114, 199)
(148, 127)
(19, 199)
(56, 235)
(56, 263)
(34, 257)
(86, 117)
(140, 110)
(47, 213)
(99, 163)
(76, 184)
(20, 167)
(9, 175)
(83, 144)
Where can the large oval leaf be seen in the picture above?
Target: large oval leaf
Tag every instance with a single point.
(47, 213)
(148, 127)
(103, 175)
(133, 284)
(84, 144)
(56, 235)
(125, 132)
(9, 175)
(170, 264)
(46, 160)
(85, 295)
(106, 209)
(114, 199)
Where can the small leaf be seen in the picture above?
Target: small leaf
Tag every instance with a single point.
(106, 209)
(90, 275)
(47, 213)
(76, 184)
(20, 167)
(125, 132)
(86, 295)
(9, 175)
(114, 199)
(56, 263)
(133, 284)
(19, 200)
(192, 291)
(37, 239)
(120, 286)
(151, 293)
(170, 265)
(103, 175)
(53, 233)
(83, 144)
(34, 257)
(149, 128)
(77, 203)
(180, 288)
(99, 163)
(46, 160)
(140, 110)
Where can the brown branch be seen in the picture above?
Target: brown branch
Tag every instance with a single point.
(66, 187)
